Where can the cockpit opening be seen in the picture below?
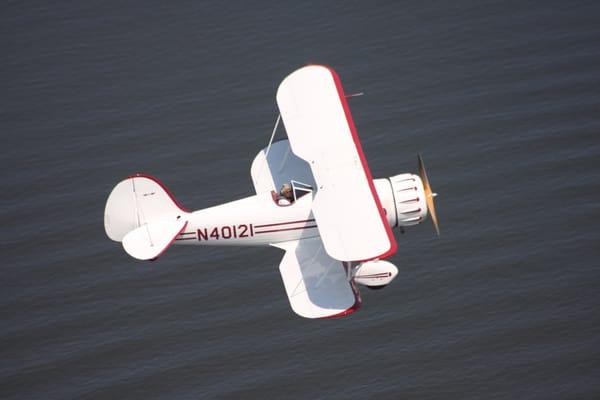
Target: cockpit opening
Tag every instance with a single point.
(290, 192)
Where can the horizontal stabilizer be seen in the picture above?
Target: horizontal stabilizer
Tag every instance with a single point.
(149, 241)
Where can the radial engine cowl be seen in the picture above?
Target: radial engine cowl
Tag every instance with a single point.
(403, 199)
(375, 274)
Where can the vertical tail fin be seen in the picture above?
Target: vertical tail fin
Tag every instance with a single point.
(139, 212)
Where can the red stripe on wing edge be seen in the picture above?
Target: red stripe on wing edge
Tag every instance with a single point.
(363, 160)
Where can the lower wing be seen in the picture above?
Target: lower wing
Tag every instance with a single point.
(317, 285)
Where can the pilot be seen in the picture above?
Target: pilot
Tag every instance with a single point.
(286, 197)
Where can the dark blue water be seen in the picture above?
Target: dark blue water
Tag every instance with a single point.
(501, 98)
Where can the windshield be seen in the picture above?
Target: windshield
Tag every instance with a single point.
(300, 189)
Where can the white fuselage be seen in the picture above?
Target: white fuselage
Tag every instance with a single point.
(252, 221)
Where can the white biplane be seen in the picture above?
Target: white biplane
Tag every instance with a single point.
(335, 230)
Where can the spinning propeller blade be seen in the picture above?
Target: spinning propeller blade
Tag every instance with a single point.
(429, 195)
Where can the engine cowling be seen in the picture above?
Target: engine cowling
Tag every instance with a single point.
(403, 199)
(375, 274)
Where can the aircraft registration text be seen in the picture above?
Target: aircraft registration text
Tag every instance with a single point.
(226, 232)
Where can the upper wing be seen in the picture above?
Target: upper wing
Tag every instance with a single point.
(317, 285)
(320, 129)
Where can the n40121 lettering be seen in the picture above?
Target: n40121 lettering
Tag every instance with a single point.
(226, 232)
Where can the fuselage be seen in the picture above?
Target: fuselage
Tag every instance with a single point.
(251, 221)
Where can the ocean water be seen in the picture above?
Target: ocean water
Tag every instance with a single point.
(502, 99)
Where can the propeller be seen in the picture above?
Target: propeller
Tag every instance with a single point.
(429, 195)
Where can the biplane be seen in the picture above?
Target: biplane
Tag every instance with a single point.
(335, 226)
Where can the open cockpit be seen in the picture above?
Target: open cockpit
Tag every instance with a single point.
(291, 192)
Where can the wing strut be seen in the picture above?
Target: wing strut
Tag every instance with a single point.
(273, 135)
(262, 167)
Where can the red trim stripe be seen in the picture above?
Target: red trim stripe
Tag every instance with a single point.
(287, 229)
(352, 309)
(379, 275)
(284, 223)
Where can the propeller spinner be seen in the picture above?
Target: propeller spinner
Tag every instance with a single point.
(429, 195)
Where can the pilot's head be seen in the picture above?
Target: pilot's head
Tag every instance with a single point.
(286, 189)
